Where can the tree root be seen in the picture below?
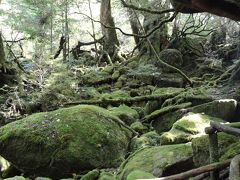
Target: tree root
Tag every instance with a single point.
(104, 102)
(165, 110)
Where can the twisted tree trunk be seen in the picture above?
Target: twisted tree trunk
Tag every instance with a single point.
(110, 40)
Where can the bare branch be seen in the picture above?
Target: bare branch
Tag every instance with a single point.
(135, 35)
(146, 10)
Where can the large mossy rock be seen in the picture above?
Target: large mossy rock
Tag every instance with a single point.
(135, 175)
(149, 139)
(187, 128)
(227, 145)
(69, 140)
(224, 109)
(125, 113)
(158, 161)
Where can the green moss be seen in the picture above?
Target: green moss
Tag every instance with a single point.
(224, 109)
(108, 69)
(59, 88)
(187, 128)
(65, 141)
(92, 175)
(231, 151)
(166, 121)
(200, 147)
(193, 123)
(115, 95)
(125, 113)
(106, 176)
(134, 175)
(175, 136)
(149, 139)
(153, 160)
(96, 77)
(43, 178)
(17, 178)
(139, 127)
(116, 75)
(168, 90)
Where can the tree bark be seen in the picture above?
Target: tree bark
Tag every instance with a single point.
(235, 168)
(2, 55)
(111, 40)
(133, 19)
(158, 39)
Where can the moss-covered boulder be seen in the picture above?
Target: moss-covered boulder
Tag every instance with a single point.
(158, 161)
(188, 127)
(224, 109)
(96, 78)
(172, 57)
(43, 178)
(104, 175)
(148, 139)
(135, 175)
(200, 146)
(165, 122)
(69, 140)
(91, 175)
(17, 178)
(125, 113)
(139, 127)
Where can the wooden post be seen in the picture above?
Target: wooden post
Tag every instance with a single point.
(213, 150)
(234, 173)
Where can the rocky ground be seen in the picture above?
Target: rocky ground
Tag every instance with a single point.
(130, 120)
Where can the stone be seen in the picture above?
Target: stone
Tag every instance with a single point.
(91, 175)
(200, 148)
(17, 178)
(69, 140)
(224, 109)
(139, 127)
(169, 80)
(106, 176)
(172, 57)
(158, 161)
(154, 105)
(166, 121)
(134, 175)
(42, 178)
(148, 139)
(125, 113)
(187, 128)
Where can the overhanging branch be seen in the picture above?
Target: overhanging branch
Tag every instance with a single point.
(146, 10)
(135, 35)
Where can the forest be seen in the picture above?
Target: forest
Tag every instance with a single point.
(120, 89)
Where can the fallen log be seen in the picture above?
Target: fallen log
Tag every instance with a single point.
(225, 128)
(165, 110)
(197, 171)
(124, 100)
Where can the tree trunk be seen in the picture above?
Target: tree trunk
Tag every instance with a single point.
(110, 40)
(133, 19)
(51, 28)
(2, 55)
(65, 30)
(159, 39)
